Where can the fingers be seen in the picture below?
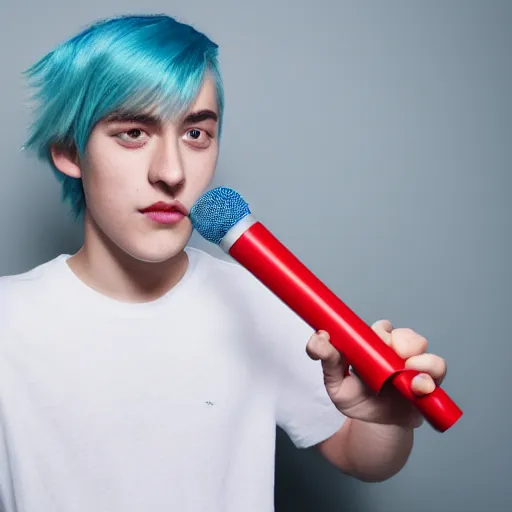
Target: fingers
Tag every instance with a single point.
(333, 363)
(412, 347)
(319, 347)
(383, 328)
(431, 364)
(422, 384)
(407, 343)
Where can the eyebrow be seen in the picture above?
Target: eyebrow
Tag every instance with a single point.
(200, 115)
(131, 117)
(152, 120)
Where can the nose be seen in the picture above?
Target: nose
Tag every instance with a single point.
(167, 168)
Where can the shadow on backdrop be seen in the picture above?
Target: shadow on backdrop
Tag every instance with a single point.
(305, 482)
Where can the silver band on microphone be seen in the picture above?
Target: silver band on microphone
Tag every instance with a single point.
(237, 231)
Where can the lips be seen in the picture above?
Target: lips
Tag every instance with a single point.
(161, 206)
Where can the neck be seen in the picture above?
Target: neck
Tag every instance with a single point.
(103, 266)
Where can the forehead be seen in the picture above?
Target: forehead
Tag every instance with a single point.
(205, 101)
(206, 97)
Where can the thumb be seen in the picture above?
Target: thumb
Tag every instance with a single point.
(333, 363)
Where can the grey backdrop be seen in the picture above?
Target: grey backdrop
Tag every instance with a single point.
(374, 139)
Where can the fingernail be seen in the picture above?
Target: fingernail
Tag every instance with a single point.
(423, 380)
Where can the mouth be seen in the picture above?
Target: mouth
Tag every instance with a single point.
(165, 213)
(173, 206)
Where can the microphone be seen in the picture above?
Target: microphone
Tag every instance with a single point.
(222, 217)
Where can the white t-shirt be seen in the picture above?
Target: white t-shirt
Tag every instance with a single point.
(172, 405)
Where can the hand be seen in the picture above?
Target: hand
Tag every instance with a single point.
(350, 395)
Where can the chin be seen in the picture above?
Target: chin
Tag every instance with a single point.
(158, 251)
(156, 257)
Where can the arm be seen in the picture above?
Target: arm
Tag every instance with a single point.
(368, 451)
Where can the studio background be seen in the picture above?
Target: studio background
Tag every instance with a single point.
(374, 139)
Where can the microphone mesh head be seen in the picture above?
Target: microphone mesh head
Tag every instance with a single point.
(216, 212)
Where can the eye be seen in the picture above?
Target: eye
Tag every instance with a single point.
(198, 138)
(134, 135)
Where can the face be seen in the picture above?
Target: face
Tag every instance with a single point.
(132, 164)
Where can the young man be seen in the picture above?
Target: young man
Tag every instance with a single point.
(142, 374)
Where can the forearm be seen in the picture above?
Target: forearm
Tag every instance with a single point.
(375, 452)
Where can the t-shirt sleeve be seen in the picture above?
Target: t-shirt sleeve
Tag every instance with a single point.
(3, 306)
(303, 407)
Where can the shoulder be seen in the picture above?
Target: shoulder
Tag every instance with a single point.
(272, 318)
(18, 292)
(228, 277)
(29, 280)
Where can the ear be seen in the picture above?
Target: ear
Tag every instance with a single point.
(66, 161)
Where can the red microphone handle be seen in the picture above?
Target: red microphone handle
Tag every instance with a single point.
(374, 361)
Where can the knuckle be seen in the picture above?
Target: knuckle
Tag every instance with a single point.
(402, 333)
(422, 341)
(441, 364)
(382, 324)
(407, 335)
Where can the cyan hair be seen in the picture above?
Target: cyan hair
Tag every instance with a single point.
(128, 63)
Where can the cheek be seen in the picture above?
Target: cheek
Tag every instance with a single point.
(111, 180)
(107, 193)
(202, 166)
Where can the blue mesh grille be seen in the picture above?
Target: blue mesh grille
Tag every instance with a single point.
(216, 212)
